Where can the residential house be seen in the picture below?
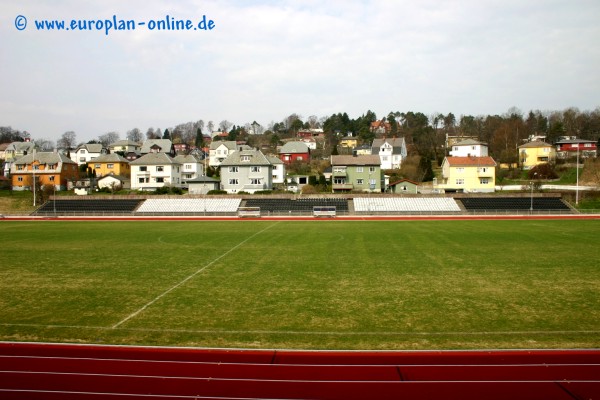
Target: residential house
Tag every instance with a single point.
(47, 168)
(535, 153)
(404, 186)
(468, 148)
(278, 170)
(181, 148)
(3, 147)
(570, 147)
(17, 150)
(467, 174)
(191, 167)
(294, 151)
(158, 146)
(362, 150)
(310, 133)
(349, 142)
(84, 153)
(311, 143)
(124, 147)
(356, 173)
(114, 182)
(110, 164)
(381, 127)
(391, 152)
(246, 170)
(201, 185)
(155, 170)
(219, 151)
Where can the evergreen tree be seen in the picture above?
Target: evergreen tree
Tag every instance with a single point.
(425, 169)
(167, 135)
(199, 142)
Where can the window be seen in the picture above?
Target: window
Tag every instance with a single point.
(233, 181)
(160, 168)
(255, 169)
(588, 145)
(143, 169)
(245, 158)
(81, 159)
(384, 158)
(299, 158)
(484, 181)
(233, 169)
(371, 169)
(97, 166)
(339, 181)
(82, 151)
(460, 181)
(188, 166)
(359, 169)
(36, 167)
(255, 181)
(19, 168)
(110, 166)
(19, 179)
(360, 181)
(160, 179)
(51, 166)
(51, 178)
(482, 169)
(142, 180)
(460, 170)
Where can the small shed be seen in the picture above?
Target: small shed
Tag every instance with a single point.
(404, 186)
(202, 185)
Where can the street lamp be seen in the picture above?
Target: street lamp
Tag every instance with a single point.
(531, 186)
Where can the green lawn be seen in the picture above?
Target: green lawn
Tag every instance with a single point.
(303, 284)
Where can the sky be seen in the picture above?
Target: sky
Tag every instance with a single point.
(264, 60)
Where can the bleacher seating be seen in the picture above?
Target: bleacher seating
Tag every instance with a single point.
(303, 205)
(405, 204)
(88, 206)
(189, 206)
(508, 204)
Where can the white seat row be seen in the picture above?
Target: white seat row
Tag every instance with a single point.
(401, 204)
(210, 205)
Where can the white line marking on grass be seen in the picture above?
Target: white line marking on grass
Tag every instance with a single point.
(132, 315)
(313, 333)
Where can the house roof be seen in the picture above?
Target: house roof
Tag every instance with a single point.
(3, 146)
(112, 157)
(124, 142)
(535, 144)
(256, 158)
(202, 179)
(230, 144)
(187, 158)
(117, 177)
(397, 144)
(43, 157)
(294, 147)
(164, 144)
(21, 146)
(574, 141)
(91, 147)
(273, 159)
(154, 159)
(469, 142)
(471, 161)
(404, 180)
(356, 160)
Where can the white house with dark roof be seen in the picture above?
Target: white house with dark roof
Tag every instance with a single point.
(220, 150)
(469, 148)
(155, 170)
(125, 146)
(85, 153)
(391, 151)
(191, 167)
(246, 170)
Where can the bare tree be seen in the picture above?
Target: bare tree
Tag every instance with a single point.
(135, 135)
(151, 134)
(44, 144)
(225, 126)
(211, 126)
(67, 140)
(108, 138)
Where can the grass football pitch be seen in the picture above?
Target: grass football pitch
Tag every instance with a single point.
(303, 284)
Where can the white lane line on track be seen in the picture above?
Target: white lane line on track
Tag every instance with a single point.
(132, 315)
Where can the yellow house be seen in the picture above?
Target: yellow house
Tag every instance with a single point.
(110, 164)
(535, 153)
(349, 141)
(47, 168)
(468, 174)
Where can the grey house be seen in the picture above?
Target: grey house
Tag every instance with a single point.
(246, 170)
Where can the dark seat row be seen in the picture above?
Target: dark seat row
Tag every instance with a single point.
(91, 206)
(513, 203)
(302, 205)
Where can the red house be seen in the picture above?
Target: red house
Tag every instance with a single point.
(569, 148)
(294, 151)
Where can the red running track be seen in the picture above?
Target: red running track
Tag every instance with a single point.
(74, 372)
